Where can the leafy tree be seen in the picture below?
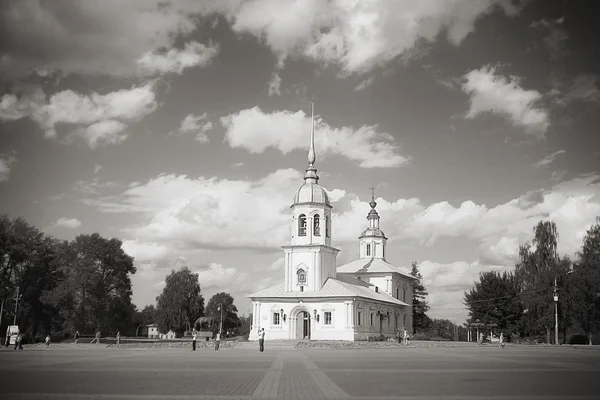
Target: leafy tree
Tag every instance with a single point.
(180, 302)
(27, 266)
(539, 264)
(420, 306)
(230, 318)
(94, 285)
(584, 285)
(493, 300)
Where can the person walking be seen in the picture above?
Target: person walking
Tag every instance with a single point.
(217, 341)
(501, 339)
(96, 338)
(405, 337)
(76, 336)
(194, 334)
(48, 342)
(261, 339)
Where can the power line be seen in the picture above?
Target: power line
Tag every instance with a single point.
(509, 296)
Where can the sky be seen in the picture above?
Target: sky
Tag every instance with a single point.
(182, 128)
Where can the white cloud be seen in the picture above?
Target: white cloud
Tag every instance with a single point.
(285, 131)
(364, 84)
(496, 94)
(358, 35)
(107, 37)
(197, 124)
(67, 223)
(274, 85)
(175, 60)
(546, 161)
(6, 162)
(98, 118)
(97, 168)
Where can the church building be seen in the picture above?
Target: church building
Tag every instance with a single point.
(319, 300)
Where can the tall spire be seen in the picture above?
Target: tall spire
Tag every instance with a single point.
(311, 172)
(311, 151)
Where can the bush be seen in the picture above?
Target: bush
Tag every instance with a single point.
(428, 336)
(381, 338)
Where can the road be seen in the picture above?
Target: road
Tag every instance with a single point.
(87, 372)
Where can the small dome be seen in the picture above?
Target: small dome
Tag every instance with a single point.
(311, 193)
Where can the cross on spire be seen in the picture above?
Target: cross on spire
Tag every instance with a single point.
(373, 204)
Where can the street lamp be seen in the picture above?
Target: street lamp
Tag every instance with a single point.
(555, 296)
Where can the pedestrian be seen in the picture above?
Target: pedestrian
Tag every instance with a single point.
(118, 338)
(501, 339)
(18, 342)
(399, 336)
(218, 341)
(76, 336)
(194, 334)
(48, 342)
(96, 338)
(261, 339)
(405, 337)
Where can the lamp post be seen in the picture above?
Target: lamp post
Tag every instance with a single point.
(555, 295)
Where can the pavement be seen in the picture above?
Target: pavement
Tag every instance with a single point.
(74, 372)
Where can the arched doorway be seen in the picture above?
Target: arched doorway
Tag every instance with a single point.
(303, 325)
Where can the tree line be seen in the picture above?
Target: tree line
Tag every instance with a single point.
(521, 303)
(58, 287)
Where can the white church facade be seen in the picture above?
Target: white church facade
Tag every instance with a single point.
(319, 300)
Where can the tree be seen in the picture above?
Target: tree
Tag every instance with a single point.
(584, 285)
(420, 306)
(180, 302)
(539, 265)
(94, 285)
(145, 317)
(230, 318)
(26, 267)
(493, 300)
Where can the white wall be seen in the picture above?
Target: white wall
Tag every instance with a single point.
(344, 324)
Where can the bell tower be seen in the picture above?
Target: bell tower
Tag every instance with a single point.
(372, 241)
(310, 259)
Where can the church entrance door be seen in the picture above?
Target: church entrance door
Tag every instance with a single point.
(303, 325)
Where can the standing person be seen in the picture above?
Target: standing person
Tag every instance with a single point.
(501, 339)
(261, 339)
(118, 338)
(399, 336)
(18, 341)
(76, 336)
(218, 341)
(405, 337)
(48, 342)
(194, 333)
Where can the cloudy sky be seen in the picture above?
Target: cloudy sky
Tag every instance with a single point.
(182, 127)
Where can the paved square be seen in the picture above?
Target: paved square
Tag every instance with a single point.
(87, 372)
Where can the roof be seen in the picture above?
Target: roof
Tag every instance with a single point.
(377, 265)
(311, 193)
(333, 287)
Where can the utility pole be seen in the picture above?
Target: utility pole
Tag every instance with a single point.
(16, 306)
(555, 311)
(221, 327)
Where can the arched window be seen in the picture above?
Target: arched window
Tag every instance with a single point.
(404, 293)
(302, 225)
(327, 226)
(316, 225)
(301, 276)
